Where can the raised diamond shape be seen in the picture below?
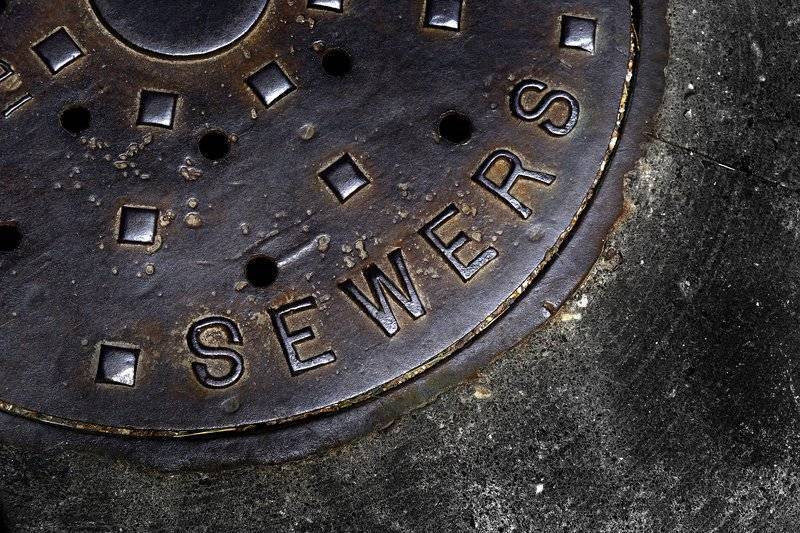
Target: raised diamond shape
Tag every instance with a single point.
(270, 84)
(58, 50)
(330, 5)
(577, 32)
(117, 365)
(138, 225)
(157, 109)
(344, 177)
(444, 14)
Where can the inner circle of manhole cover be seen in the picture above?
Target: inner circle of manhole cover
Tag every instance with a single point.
(336, 201)
(186, 28)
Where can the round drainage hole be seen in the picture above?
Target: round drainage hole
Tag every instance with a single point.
(455, 127)
(337, 62)
(215, 145)
(10, 236)
(261, 271)
(76, 119)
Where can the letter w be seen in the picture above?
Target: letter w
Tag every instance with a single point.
(380, 284)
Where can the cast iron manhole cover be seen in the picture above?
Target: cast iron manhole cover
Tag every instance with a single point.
(255, 218)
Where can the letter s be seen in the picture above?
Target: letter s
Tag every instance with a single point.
(232, 357)
(543, 107)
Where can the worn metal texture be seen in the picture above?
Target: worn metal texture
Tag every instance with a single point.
(661, 398)
(236, 225)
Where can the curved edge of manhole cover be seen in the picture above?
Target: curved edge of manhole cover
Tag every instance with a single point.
(170, 31)
(302, 435)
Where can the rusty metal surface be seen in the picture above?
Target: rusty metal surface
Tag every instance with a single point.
(241, 223)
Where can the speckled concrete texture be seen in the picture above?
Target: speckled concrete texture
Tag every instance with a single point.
(664, 397)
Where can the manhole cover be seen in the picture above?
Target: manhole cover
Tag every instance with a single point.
(257, 217)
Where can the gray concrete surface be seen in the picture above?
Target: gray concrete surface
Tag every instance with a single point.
(663, 398)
